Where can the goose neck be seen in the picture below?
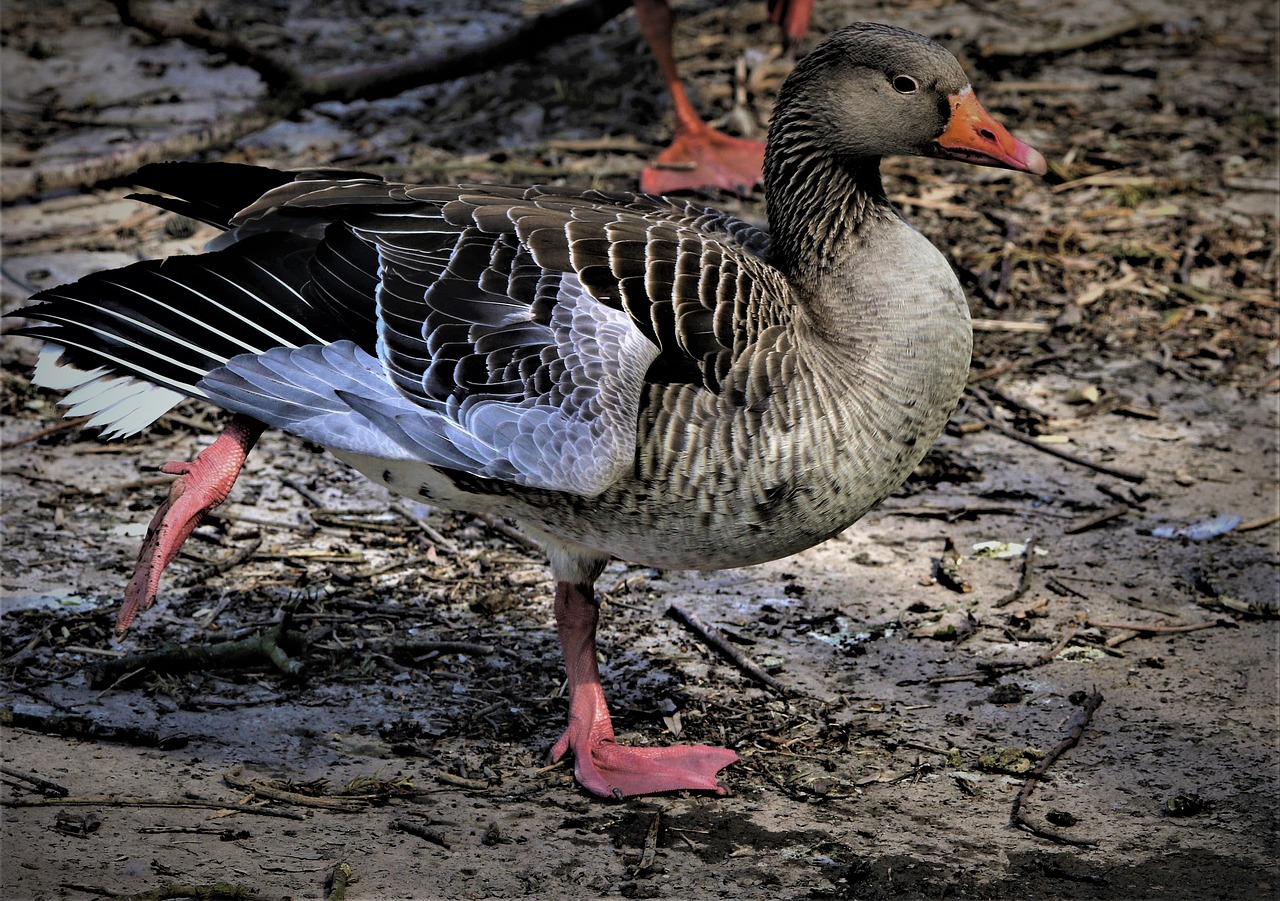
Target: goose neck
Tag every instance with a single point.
(819, 208)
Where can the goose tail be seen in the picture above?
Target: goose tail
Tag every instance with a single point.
(129, 344)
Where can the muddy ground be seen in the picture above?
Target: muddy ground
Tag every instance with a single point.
(1127, 315)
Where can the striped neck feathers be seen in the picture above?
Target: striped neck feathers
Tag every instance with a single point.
(818, 206)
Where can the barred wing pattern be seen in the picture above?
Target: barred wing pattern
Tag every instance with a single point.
(513, 334)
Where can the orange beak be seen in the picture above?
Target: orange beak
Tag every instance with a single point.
(972, 136)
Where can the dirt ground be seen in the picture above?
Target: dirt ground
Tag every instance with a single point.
(1126, 313)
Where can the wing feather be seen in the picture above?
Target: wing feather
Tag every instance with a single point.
(514, 334)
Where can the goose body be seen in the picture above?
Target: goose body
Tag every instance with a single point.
(806, 433)
(625, 375)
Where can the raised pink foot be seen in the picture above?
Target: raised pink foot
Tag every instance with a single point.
(203, 483)
(702, 158)
(600, 764)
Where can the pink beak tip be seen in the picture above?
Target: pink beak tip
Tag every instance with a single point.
(1035, 162)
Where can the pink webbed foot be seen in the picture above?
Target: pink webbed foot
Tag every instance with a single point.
(702, 157)
(202, 484)
(606, 768)
(600, 764)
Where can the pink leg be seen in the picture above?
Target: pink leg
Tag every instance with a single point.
(600, 764)
(203, 483)
(792, 17)
(699, 156)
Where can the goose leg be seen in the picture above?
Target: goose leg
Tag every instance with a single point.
(791, 17)
(201, 485)
(600, 764)
(699, 156)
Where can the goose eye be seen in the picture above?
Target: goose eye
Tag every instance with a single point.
(905, 84)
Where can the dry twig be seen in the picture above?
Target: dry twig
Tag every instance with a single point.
(435, 537)
(948, 570)
(74, 725)
(306, 493)
(1058, 647)
(715, 639)
(185, 801)
(650, 852)
(48, 788)
(1161, 628)
(64, 426)
(235, 779)
(413, 651)
(512, 534)
(460, 781)
(992, 671)
(1017, 817)
(1024, 580)
(1115, 511)
(1260, 523)
(421, 831)
(22, 184)
(176, 658)
(212, 891)
(1126, 474)
(981, 375)
(1066, 43)
(240, 555)
(339, 878)
(289, 90)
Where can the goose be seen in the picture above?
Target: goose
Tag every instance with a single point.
(625, 376)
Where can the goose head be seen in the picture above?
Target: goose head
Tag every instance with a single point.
(866, 92)
(872, 90)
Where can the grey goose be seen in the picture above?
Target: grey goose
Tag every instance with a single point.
(626, 376)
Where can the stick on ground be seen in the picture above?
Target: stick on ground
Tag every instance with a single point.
(177, 658)
(715, 639)
(421, 830)
(1164, 628)
(1052, 450)
(1024, 580)
(292, 90)
(1076, 729)
(1067, 43)
(113, 801)
(339, 878)
(49, 788)
(236, 779)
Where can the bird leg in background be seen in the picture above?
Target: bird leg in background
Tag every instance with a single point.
(201, 485)
(600, 764)
(792, 18)
(699, 156)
